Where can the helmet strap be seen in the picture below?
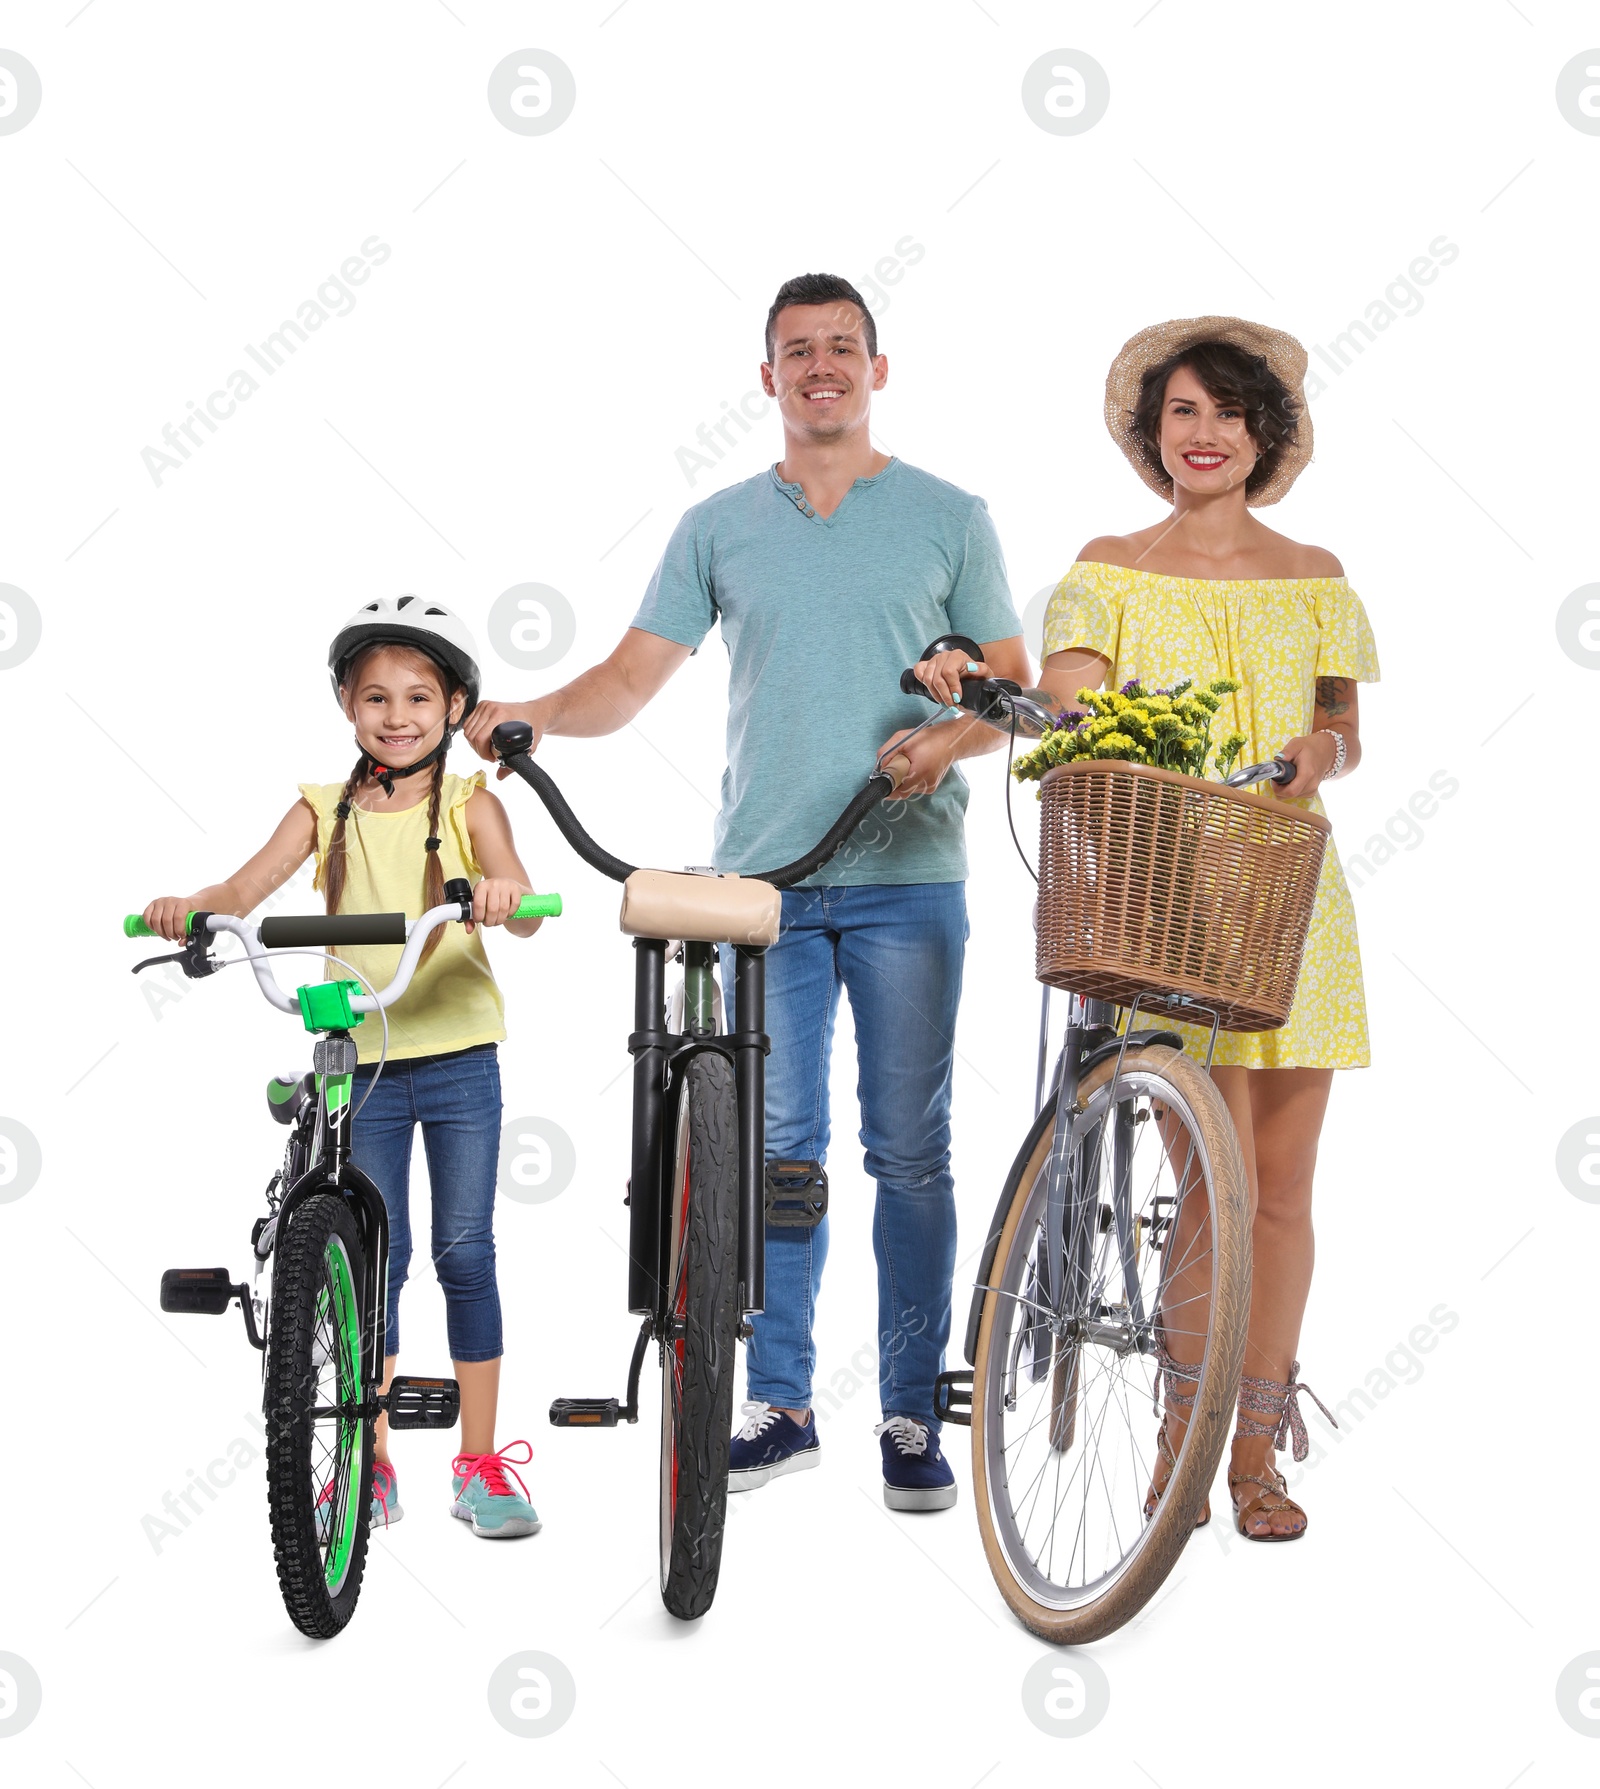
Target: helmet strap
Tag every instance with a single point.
(386, 777)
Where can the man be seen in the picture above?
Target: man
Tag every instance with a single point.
(830, 572)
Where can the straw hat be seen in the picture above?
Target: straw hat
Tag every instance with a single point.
(1150, 346)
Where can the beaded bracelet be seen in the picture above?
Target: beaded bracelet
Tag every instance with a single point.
(1338, 756)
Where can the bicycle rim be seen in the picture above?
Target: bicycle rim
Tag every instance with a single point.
(1067, 1395)
(336, 1439)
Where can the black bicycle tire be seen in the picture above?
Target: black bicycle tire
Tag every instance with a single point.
(296, 1277)
(703, 1419)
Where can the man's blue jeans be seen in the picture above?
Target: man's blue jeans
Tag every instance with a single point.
(898, 951)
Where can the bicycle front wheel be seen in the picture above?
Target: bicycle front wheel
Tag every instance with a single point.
(700, 1346)
(1154, 1254)
(319, 1452)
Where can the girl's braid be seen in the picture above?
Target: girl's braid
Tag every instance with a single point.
(333, 864)
(433, 871)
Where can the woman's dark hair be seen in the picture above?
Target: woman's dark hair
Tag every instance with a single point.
(1230, 375)
(820, 288)
(333, 865)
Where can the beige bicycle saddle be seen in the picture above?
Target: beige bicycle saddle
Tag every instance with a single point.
(705, 909)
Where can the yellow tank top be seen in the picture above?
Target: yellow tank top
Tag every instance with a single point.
(453, 1001)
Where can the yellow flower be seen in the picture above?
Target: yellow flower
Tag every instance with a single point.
(1114, 745)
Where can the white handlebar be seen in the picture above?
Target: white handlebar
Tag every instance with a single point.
(418, 931)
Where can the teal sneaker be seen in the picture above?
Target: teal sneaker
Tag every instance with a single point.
(385, 1511)
(486, 1500)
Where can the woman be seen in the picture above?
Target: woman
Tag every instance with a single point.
(1210, 411)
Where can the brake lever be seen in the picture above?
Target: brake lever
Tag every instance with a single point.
(195, 956)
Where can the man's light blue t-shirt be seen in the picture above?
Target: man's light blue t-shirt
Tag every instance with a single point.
(820, 615)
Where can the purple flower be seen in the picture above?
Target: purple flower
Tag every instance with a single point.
(1131, 688)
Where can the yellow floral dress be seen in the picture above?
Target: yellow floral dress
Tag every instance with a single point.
(1276, 636)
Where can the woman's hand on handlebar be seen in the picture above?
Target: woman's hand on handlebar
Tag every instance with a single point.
(483, 720)
(941, 675)
(930, 755)
(168, 917)
(1312, 755)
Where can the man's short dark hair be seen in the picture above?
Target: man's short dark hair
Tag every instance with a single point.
(820, 288)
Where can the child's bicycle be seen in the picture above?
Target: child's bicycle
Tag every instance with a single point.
(319, 1321)
(701, 1191)
(1119, 1251)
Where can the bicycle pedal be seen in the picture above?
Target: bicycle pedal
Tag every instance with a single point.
(206, 1291)
(952, 1397)
(796, 1195)
(585, 1413)
(422, 1403)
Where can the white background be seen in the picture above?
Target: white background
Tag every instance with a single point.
(504, 404)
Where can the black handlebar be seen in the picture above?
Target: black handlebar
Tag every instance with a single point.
(912, 685)
(511, 740)
(979, 695)
(879, 785)
(290, 930)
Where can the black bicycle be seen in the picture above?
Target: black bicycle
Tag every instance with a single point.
(319, 1322)
(701, 1191)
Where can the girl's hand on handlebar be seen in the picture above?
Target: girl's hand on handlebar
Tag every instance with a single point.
(483, 720)
(941, 675)
(930, 758)
(168, 917)
(1312, 755)
(494, 900)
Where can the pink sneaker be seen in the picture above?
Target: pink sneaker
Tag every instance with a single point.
(385, 1510)
(484, 1498)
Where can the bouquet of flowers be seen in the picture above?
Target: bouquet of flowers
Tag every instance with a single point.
(1169, 729)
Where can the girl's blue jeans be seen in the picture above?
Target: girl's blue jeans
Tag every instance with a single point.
(898, 951)
(456, 1100)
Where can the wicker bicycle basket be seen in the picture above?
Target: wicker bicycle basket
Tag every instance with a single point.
(1155, 883)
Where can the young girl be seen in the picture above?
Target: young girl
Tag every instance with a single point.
(386, 840)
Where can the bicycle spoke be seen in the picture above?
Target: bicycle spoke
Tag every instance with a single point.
(1073, 1451)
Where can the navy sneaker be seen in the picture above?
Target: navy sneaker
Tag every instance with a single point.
(768, 1445)
(915, 1474)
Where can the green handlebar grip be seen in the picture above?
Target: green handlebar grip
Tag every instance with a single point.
(545, 906)
(134, 927)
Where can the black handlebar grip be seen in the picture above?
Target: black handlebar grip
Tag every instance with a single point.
(912, 685)
(511, 737)
(296, 929)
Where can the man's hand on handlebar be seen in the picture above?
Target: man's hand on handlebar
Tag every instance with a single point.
(483, 720)
(942, 673)
(931, 754)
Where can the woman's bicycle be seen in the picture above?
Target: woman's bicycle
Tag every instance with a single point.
(1118, 1255)
(319, 1317)
(701, 1192)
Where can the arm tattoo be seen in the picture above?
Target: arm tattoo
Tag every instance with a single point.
(1330, 695)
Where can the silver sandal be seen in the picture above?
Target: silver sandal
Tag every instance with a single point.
(1280, 1404)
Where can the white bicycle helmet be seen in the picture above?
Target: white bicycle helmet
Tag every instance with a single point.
(409, 621)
